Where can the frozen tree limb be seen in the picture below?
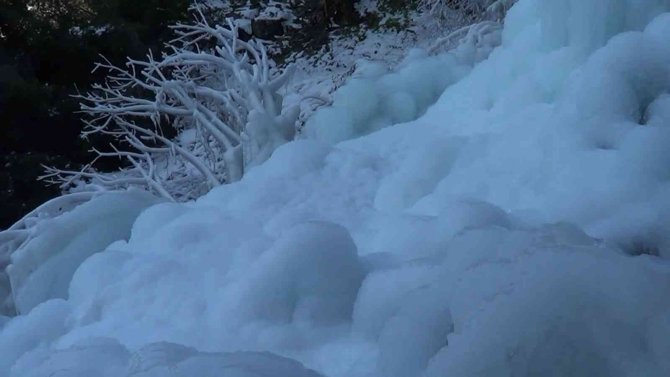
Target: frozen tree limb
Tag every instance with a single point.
(218, 93)
(474, 35)
(474, 10)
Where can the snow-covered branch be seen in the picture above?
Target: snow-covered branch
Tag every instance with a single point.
(471, 10)
(218, 94)
(482, 28)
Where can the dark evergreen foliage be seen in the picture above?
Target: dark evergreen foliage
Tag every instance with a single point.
(47, 51)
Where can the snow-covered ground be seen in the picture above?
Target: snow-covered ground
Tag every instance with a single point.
(518, 226)
(366, 50)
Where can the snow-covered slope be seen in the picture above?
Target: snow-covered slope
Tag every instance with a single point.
(519, 227)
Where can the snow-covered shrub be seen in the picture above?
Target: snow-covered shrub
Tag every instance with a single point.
(480, 38)
(480, 30)
(219, 95)
(469, 10)
(441, 8)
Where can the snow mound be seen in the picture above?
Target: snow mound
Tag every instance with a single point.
(105, 357)
(42, 269)
(374, 98)
(518, 228)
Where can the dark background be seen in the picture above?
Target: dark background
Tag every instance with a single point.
(49, 47)
(47, 51)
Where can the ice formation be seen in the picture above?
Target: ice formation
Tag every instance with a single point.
(519, 227)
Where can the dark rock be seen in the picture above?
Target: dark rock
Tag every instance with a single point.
(267, 28)
(342, 12)
(243, 35)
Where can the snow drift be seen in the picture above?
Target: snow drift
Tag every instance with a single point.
(520, 227)
(54, 245)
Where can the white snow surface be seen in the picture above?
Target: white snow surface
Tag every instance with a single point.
(43, 267)
(519, 227)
